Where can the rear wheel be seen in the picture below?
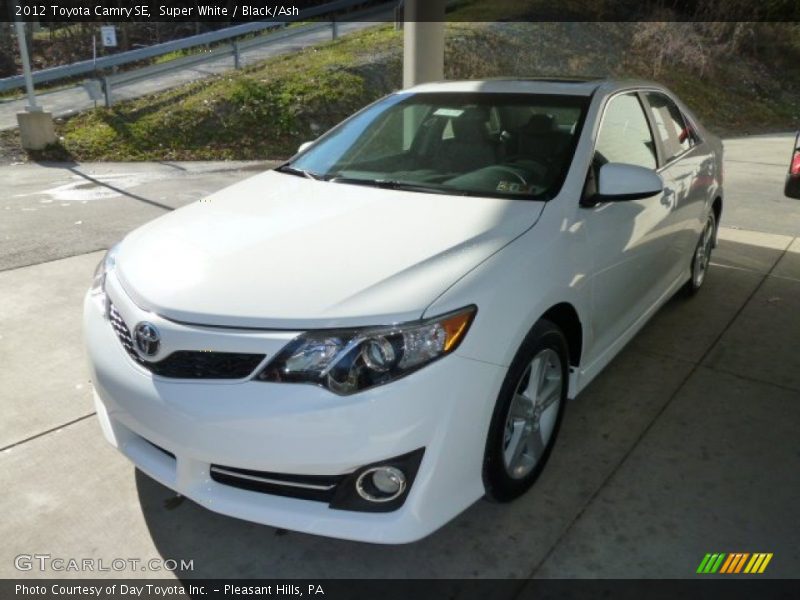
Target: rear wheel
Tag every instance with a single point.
(702, 255)
(528, 413)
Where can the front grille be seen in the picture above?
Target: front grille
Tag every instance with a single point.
(188, 364)
(307, 487)
(123, 333)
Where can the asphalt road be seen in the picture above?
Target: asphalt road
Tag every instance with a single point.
(60, 210)
(74, 99)
(686, 444)
(54, 211)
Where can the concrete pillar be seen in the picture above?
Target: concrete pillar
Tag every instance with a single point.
(423, 41)
(36, 129)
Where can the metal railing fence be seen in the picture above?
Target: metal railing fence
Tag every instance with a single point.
(203, 39)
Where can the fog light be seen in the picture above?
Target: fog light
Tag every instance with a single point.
(381, 484)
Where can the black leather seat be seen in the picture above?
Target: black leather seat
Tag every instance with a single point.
(471, 147)
(541, 139)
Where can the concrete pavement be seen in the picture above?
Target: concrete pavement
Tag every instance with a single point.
(717, 469)
(686, 444)
(72, 211)
(755, 172)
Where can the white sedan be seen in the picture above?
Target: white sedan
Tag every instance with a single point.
(386, 328)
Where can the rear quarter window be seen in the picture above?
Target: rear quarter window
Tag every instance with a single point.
(672, 128)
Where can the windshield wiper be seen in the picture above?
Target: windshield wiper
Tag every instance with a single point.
(392, 184)
(289, 169)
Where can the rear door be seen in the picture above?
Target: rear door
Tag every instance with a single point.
(684, 188)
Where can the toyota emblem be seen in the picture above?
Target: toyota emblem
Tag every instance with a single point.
(147, 339)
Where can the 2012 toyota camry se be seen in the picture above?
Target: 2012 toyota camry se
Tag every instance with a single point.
(366, 340)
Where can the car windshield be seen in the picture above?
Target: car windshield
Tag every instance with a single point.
(483, 144)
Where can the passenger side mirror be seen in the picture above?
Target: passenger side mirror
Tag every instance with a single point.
(303, 146)
(792, 188)
(618, 182)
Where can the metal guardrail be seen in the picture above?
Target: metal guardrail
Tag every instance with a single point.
(233, 50)
(115, 60)
(104, 87)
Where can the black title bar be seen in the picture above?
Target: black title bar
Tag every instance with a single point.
(241, 11)
(734, 588)
(228, 11)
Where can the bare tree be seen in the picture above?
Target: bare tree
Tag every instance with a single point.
(666, 42)
(7, 51)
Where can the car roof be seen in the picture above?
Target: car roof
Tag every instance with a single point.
(568, 86)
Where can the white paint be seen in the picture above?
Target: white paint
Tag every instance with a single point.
(330, 254)
(289, 254)
(81, 189)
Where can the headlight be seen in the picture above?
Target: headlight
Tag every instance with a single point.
(103, 268)
(348, 361)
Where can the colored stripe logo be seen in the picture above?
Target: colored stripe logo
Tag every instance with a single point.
(734, 562)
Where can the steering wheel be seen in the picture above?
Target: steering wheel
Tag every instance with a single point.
(501, 170)
(543, 163)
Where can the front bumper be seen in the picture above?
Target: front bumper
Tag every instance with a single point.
(296, 429)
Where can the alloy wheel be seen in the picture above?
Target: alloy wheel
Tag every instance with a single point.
(702, 255)
(532, 414)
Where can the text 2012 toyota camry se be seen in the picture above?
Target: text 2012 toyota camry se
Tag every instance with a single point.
(371, 337)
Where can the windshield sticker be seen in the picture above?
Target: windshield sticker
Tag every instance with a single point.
(514, 187)
(448, 112)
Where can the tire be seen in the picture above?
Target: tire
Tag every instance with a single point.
(702, 255)
(527, 418)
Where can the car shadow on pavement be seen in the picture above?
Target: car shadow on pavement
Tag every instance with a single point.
(629, 463)
(106, 184)
(224, 547)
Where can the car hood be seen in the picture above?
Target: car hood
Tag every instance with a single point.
(279, 251)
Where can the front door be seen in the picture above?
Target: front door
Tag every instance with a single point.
(627, 239)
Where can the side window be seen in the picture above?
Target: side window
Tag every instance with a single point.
(675, 135)
(624, 135)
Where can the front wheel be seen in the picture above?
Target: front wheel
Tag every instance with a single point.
(527, 415)
(702, 255)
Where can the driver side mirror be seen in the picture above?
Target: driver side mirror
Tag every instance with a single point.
(304, 146)
(618, 182)
(792, 188)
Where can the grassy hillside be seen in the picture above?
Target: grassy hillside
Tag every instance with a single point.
(262, 111)
(265, 111)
